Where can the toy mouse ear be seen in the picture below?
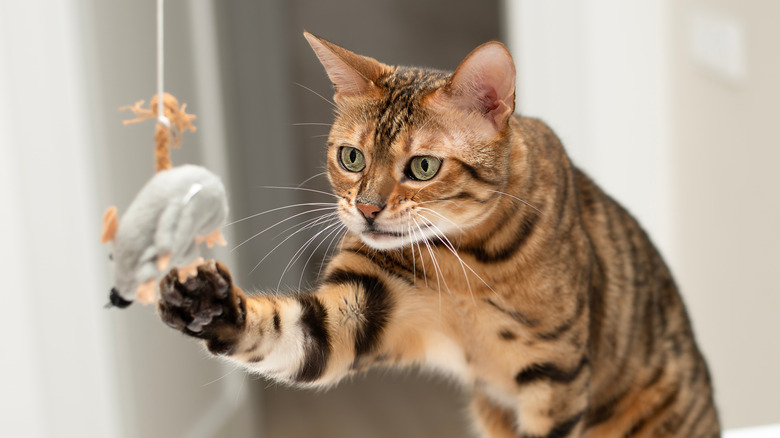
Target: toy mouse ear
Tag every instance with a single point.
(110, 223)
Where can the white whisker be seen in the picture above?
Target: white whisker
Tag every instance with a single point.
(422, 263)
(281, 222)
(422, 260)
(425, 124)
(435, 200)
(303, 270)
(238, 391)
(311, 124)
(423, 188)
(320, 220)
(307, 204)
(437, 231)
(443, 217)
(309, 223)
(221, 377)
(302, 189)
(311, 178)
(449, 245)
(436, 266)
(301, 251)
(327, 250)
(317, 94)
(411, 244)
(274, 249)
(515, 197)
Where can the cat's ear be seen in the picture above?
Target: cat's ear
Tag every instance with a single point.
(351, 74)
(484, 82)
(110, 224)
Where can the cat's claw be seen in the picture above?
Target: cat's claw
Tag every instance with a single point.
(205, 305)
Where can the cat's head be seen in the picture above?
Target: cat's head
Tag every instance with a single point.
(415, 153)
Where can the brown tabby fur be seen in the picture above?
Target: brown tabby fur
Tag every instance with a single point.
(557, 313)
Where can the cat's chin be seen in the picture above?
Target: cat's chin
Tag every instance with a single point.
(383, 241)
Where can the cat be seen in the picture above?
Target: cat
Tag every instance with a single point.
(475, 248)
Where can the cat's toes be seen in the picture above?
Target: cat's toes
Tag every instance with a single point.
(201, 303)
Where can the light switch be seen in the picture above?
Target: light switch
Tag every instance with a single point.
(717, 44)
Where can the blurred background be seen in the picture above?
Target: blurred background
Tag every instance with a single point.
(670, 105)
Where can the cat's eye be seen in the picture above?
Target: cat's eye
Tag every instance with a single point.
(423, 168)
(352, 159)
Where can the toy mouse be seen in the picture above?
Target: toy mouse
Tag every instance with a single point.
(177, 209)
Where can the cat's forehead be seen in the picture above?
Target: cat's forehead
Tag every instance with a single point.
(399, 107)
(414, 79)
(386, 123)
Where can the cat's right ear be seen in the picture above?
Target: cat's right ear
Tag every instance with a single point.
(350, 73)
(110, 224)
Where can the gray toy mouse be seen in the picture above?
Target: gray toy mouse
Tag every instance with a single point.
(175, 211)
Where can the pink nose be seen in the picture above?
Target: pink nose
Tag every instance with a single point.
(369, 211)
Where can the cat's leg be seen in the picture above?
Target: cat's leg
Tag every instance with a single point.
(546, 411)
(491, 420)
(351, 321)
(553, 399)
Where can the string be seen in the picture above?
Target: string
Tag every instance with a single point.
(160, 46)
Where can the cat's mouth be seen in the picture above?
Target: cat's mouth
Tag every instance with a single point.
(384, 239)
(379, 233)
(374, 231)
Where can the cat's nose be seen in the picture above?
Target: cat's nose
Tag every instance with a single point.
(369, 210)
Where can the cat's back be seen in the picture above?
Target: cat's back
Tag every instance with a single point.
(648, 375)
(648, 371)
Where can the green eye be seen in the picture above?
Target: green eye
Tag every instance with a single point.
(423, 168)
(352, 159)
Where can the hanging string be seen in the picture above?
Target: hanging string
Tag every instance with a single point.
(160, 71)
(162, 131)
(169, 128)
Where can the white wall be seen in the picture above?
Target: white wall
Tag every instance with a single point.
(55, 370)
(727, 211)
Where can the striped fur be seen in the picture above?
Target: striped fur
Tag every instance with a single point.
(510, 270)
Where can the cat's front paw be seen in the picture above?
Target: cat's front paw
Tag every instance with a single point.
(205, 306)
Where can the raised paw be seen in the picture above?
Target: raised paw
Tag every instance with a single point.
(205, 306)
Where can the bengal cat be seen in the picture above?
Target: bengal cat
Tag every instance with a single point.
(477, 249)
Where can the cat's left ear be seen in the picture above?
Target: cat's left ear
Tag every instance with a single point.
(484, 82)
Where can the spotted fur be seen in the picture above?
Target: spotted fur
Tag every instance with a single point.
(509, 271)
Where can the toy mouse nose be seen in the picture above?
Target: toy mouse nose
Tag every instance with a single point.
(369, 210)
(117, 300)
